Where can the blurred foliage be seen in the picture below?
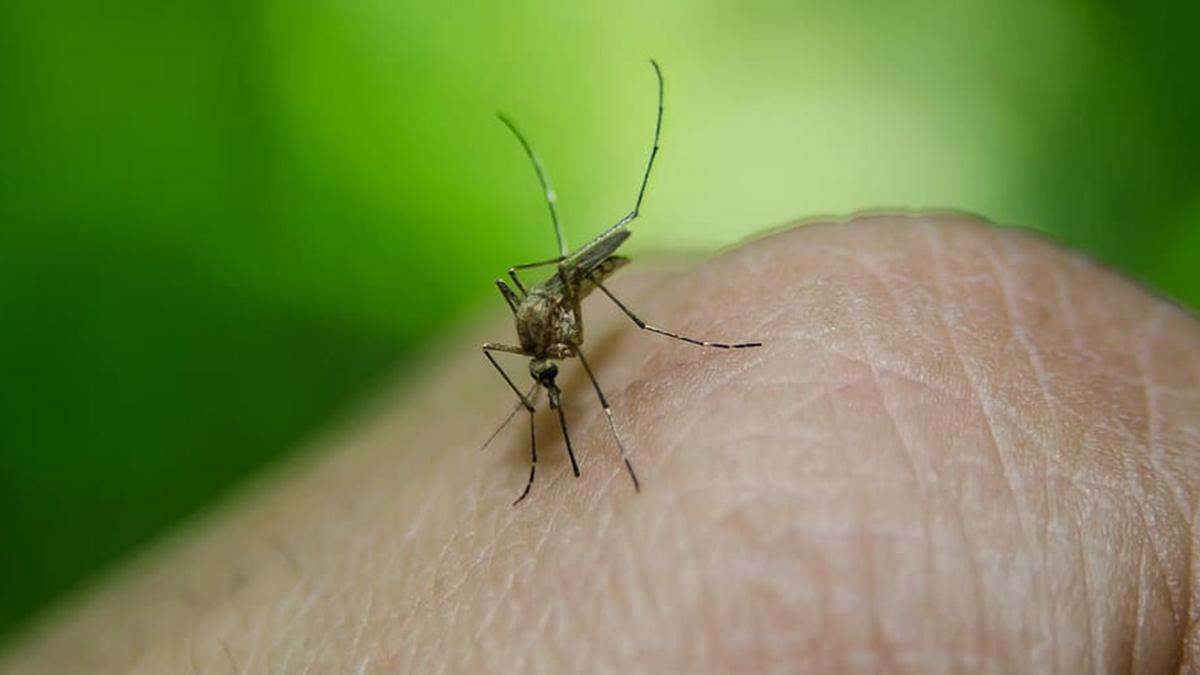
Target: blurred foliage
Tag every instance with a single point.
(222, 222)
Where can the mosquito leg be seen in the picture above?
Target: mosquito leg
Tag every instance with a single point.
(611, 424)
(512, 271)
(507, 349)
(544, 179)
(556, 403)
(654, 329)
(531, 396)
(488, 348)
(540, 263)
(528, 405)
(562, 420)
(568, 288)
(509, 296)
(533, 458)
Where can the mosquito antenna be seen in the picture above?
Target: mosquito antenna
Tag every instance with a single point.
(517, 408)
(547, 188)
(657, 133)
(637, 206)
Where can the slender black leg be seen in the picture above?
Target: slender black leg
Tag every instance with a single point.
(544, 179)
(533, 459)
(654, 329)
(488, 348)
(509, 297)
(512, 271)
(540, 263)
(556, 403)
(611, 424)
(531, 395)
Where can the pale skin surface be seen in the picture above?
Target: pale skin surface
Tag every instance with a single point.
(960, 450)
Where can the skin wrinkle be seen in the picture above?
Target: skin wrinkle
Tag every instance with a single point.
(1015, 322)
(311, 661)
(587, 642)
(1179, 494)
(233, 665)
(887, 288)
(1151, 534)
(290, 611)
(1093, 658)
(692, 420)
(648, 594)
(1142, 359)
(753, 634)
(190, 648)
(871, 359)
(1071, 475)
(1186, 512)
(1192, 652)
(907, 377)
(452, 587)
(981, 397)
(982, 624)
(1141, 606)
(255, 643)
(815, 342)
(883, 648)
(1066, 309)
(361, 628)
(280, 646)
(485, 563)
(494, 606)
(693, 558)
(498, 600)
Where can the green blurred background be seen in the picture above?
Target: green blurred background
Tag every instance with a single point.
(225, 222)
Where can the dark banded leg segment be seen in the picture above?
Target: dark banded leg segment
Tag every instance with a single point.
(488, 348)
(654, 329)
(533, 459)
(512, 271)
(556, 403)
(531, 395)
(612, 425)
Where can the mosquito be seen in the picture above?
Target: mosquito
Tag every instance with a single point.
(548, 317)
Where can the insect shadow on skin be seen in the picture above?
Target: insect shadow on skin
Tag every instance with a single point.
(548, 316)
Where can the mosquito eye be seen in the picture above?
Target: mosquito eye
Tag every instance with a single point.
(550, 373)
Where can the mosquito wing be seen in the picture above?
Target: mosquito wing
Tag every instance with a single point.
(593, 259)
(580, 263)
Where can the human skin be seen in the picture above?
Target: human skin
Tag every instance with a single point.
(960, 448)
